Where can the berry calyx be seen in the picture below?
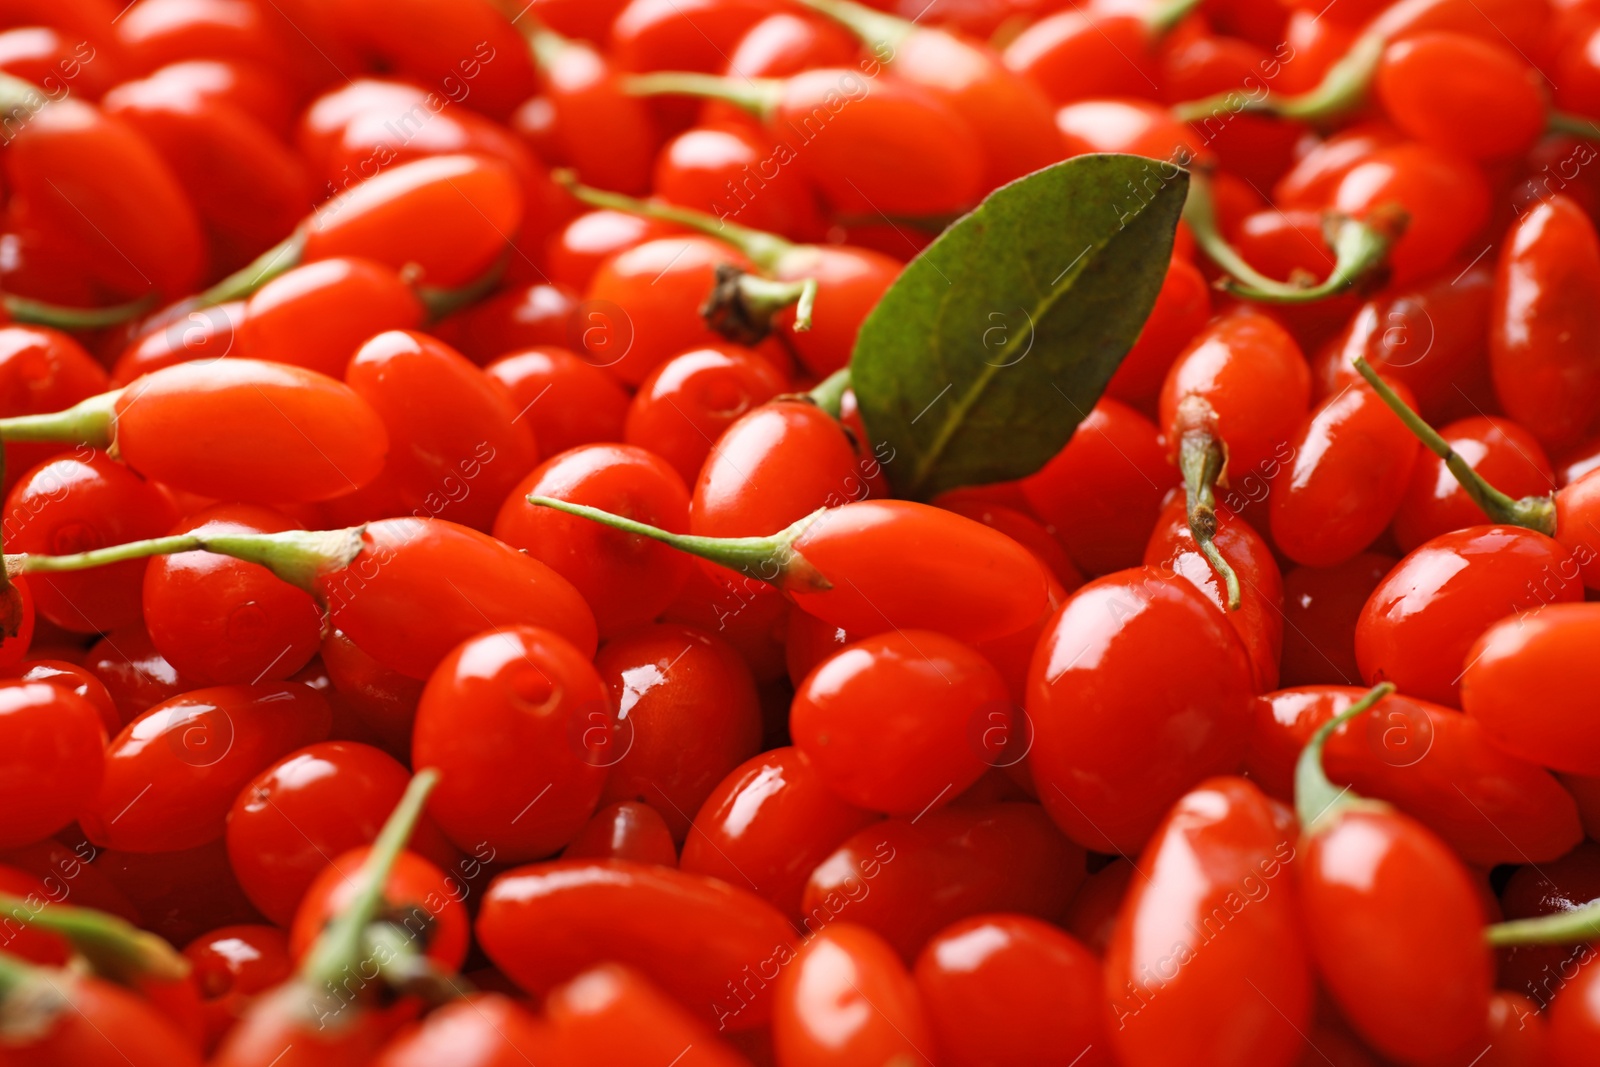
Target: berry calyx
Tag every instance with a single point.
(1203, 462)
(349, 937)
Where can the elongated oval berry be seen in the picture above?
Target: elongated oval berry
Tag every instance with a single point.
(456, 445)
(452, 216)
(1012, 991)
(1419, 624)
(52, 742)
(1249, 372)
(908, 565)
(626, 830)
(1350, 464)
(1214, 923)
(1547, 322)
(688, 402)
(1437, 765)
(173, 772)
(1467, 96)
(1528, 681)
(318, 314)
(1138, 690)
(767, 825)
(713, 947)
(419, 587)
(895, 723)
(627, 579)
(314, 804)
(1259, 619)
(1004, 857)
(1503, 453)
(775, 465)
(614, 1014)
(1381, 895)
(249, 431)
(79, 503)
(847, 999)
(848, 127)
(687, 714)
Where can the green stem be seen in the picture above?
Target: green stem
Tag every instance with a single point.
(1534, 512)
(90, 422)
(298, 557)
(18, 95)
(1576, 125)
(1202, 459)
(765, 250)
(38, 313)
(880, 32)
(741, 305)
(1164, 17)
(829, 393)
(1360, 248)
(759, 96)
(1315, 796)
(438, 303)
(1563, 928)
(1342, 89)
(116, 949)
(341, 943)
(771, 559)
(279, 259)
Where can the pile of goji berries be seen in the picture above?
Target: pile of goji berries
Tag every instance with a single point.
(593, 532)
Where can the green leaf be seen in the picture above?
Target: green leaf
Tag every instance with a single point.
(991, 347)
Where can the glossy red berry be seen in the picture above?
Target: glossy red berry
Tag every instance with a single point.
(1419, 624)
(687, 714)
(418, 898)
(767, 825)
(254, 432)
(516, 723)
(313, 804)
(1009, 990)
(1104, 491)
(316, 316)
(843, 719)
(1107, 756)
(1004, 857)
(1473, 98)
(173, 773)
(686, 403)
(715, 948)
(1214, 921)
(566, 400)
(1347, 471)
(78, 503)
(52, 741)
(847, 999)
(626, 830)
(1372, 871)
(223, 621)
(1546, 724)
(456, 444)
(626, 579)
